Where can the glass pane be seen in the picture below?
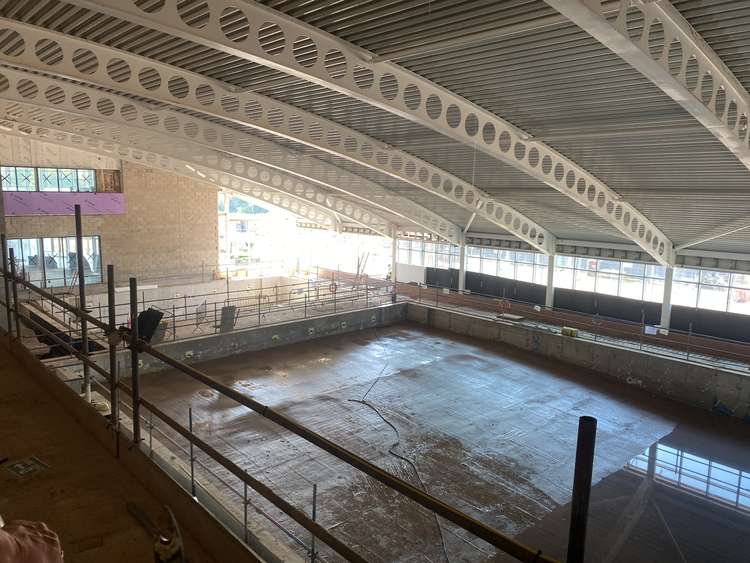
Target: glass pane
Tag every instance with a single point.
(712, 277)
(585, 281)
(653, 290)
(631, 287)
(489, 253)
(48, 179)
(473, 264)
(403, 255)
(685, 294)
(713, 297)
(8, 178)
(607, 283)
(86, 181)
(429, 247)
(489, 266)
(741, 280)
(403, 244)
(473, 251)
(443, 261)
(32, 261)
(26, 179)
(507, 255)
(71, 266)
(67, 178)
(416, 255)
(506, 269)
(417, 245)
(542, 259)
(565, 261)
(540, 275)
(739, 301)
(54, 261)
(525, 257)
(15, 245)
(564, 278)
(429, 259)
(444, 248)
(633, 269)
(455, 262)
(586, 264)
(524, 272)
(653, 271)
(686, 274)
(609, 266)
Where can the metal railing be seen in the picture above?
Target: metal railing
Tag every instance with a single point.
(189, 314)
(689, 345)
(108, 382)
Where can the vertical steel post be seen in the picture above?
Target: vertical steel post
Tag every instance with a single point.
(6, 283)
(114, 381)
(244, 504)
(643, 328)
(135, 384)
(259, 309)
(313, 554)
(305, 305)
(82, 304)
(174, 323)
(579, 506)
(192, 457)
(15, 293)
(150, 434)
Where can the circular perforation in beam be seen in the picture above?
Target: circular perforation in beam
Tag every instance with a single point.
(336, 71)
(214, 165)
(244, 146)
(181, 88)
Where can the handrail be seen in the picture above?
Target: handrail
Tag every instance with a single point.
(490, 535)
(438, 507)
(594, 319)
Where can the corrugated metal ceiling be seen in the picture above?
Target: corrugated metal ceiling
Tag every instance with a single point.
(539, 71)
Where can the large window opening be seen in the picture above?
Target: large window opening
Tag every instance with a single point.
(33, 179)
(53, 261)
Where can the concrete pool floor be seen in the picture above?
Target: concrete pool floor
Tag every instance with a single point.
(483, 426)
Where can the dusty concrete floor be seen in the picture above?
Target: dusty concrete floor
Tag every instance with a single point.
(82, 494)
(484, 427)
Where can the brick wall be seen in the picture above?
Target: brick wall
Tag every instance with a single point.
(170, 225)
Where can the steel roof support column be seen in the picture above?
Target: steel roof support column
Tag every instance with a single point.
(462, 267)
(549, 295)
(666, 301)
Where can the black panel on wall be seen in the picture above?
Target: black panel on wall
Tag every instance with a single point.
(503, 287)
(712, 323)
(441, 277)
(607, 305)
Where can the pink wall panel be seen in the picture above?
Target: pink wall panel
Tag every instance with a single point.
(61, 203)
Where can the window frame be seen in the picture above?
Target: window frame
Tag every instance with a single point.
(75, 178)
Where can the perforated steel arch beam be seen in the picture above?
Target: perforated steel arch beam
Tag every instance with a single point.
(294, 205)
(38, 49)
(190, 159)
(670, 53)
(55, 94)
(266, 37)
